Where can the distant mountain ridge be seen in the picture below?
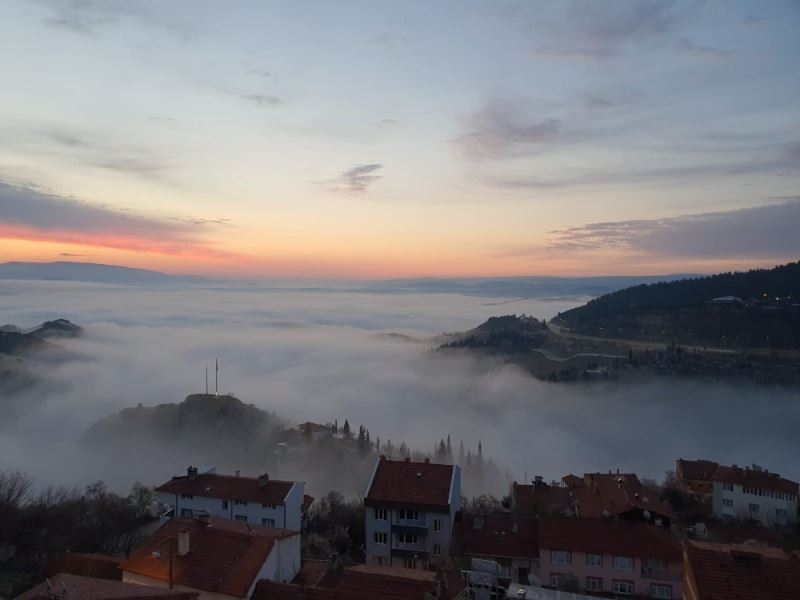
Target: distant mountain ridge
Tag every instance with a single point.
(89, 272)
(15, 341)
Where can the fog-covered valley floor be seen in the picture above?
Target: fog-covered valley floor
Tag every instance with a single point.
(319, 355)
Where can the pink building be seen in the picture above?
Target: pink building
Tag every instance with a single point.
(610, 556)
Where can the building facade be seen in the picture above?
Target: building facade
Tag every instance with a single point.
(410, 511)
(258, 501)
(746, 493)
(610, 557)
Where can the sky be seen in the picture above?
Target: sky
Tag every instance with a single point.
(401, 139)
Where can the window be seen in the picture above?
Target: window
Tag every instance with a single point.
(268, 522)
(555, 579)
(437, 550)
(269, 506)
(623, 587)
(780, 513)
(728, 487)
(408, 563)
(623, 562)
(187, 496)
(380, 537)
(224, 505)
(186, 512)
(655, 564)
(437, 524)
(241, 518)
(727, 502)
(409, 515)
(240, 502)
(659, 590)
(561, 557)
(407, 538)
(753, 507)
(594, 560)
(380, 514)
(594, 584)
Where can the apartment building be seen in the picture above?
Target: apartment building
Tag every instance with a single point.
(410, 511)
(256, 500)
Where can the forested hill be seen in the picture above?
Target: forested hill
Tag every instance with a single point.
(762, 310)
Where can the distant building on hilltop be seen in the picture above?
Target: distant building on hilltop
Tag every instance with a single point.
(259, 500)
(749, 493)
(410, 511)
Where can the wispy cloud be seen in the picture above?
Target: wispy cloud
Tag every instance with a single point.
(31, 214)
(758, 232)
(89, 16)
(263, 100)
(600, 30)
(503, 128)
(689, 47)
(783, 160)
(91, 149)
(357, 179)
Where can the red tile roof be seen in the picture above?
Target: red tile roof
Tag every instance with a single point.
(72, 587)
(499, 536)
(406, 482)
(724, 572)
(225, 556)
(616, 494)
(362, 582)
(229, 487)
(98, 566)
(763, 480)
(700, 470)
(540, 500)
(608, 536)
(706, 470)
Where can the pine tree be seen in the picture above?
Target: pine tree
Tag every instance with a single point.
(461, 454)
(442, 450)
(346, 429)
(378, 445)
(336, 426)
(449, 447)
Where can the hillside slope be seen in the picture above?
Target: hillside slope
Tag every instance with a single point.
(753, 309)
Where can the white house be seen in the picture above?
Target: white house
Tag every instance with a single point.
(755, 494)
(734, 492)
(410, 511)
(218, 558)
(256, 500)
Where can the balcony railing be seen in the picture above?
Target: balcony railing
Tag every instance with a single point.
(659, 574)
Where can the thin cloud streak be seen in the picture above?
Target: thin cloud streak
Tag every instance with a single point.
(358, 179)
(30, 214)
(758, 232)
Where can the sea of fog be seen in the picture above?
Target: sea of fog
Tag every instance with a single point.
(320, 355)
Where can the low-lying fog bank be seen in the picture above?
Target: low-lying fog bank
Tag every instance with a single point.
(319, 356)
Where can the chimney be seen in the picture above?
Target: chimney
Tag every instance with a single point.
(191, 472)
(538, 480)
(183, 543)
(427, 460)
(237, 472)
(263, 480)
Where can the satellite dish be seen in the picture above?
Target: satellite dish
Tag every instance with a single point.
(606, 514)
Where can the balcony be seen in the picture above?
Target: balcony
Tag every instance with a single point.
(659, 574)
(410, 527)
